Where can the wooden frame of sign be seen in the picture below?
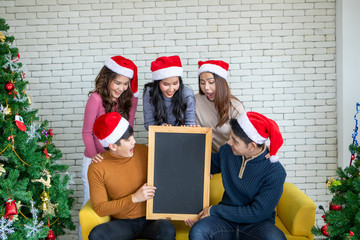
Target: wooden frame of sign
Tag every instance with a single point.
(179, 167)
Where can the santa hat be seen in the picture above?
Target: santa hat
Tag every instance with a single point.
(125, 67)
(165, 67)
(259, 128)
(109, 128)
(218, 67)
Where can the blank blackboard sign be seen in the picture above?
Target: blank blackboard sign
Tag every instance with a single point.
(179, 168)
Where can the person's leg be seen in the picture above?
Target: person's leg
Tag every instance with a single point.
(126, 229)
(260, 231)
(84, 169)
(213, 228)
(158, 230)
(86, 195)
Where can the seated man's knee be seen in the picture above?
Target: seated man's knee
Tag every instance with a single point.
(97, 233)
(167, 230)
(199, 230)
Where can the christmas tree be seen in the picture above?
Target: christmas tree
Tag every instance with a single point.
(342, 220)
(34, 189)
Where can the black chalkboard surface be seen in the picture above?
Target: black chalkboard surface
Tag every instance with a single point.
(179, 167)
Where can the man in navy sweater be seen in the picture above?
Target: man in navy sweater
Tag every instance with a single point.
(253, 184)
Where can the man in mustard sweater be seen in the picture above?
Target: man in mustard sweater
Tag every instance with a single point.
(118, 185)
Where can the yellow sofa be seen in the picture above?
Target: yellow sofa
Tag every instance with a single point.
(295, 213)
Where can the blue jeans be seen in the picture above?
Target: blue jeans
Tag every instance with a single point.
(218, 228)
(134, 228)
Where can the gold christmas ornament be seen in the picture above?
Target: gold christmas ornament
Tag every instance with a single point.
(7, 111)
(29, 99)
(44, 206)
(44, 196)
(2, 169)
(48, 179)
(50, 209)
(2, 37)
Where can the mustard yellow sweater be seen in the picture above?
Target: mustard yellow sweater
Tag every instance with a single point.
(114, 180)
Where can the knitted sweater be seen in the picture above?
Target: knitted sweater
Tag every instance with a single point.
(94, 108)
(253, 187)
(149, 109)
(114, 180)
(208, 116)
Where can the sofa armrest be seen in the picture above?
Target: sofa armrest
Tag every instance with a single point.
(296, 210)
(89, 219)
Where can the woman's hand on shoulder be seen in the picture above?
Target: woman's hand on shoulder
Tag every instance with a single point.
(97, 158)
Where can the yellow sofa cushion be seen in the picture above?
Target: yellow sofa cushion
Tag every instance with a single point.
(89, 219)
(296, 211)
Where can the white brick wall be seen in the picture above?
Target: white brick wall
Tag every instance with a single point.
(281, 55)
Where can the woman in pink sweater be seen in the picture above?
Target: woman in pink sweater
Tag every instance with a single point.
(116, 90)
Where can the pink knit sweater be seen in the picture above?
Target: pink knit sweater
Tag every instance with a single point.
(94, 109)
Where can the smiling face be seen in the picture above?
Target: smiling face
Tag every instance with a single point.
(207, 85)
(118, 86)
(239, 147)
(169, 86)
(125, 149)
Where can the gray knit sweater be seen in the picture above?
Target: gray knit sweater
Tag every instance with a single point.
(149, 109)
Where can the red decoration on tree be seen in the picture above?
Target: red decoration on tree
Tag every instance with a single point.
(10, 209)
(50, 132)
(334, 207)
(50, 235)
(352, 157)
(351, 233)
(20, 123)
(323, 216)
(46, 153)
(9, 86)
(324, 230)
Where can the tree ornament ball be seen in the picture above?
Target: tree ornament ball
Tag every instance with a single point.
(50, 235)
(324, 231)
(352, 156)
(9, 86)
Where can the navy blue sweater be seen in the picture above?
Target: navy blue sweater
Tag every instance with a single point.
(252, 188)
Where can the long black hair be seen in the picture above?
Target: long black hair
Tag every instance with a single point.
(157, 99)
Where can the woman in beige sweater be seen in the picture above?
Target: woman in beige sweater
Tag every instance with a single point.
(215, 105)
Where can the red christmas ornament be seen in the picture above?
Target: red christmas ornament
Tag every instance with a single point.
(10, 209)
(9, 86)
(46, 154)
(323, 216)
(20, 123)
(351, 233)
(352, 157)
(50, 235)
(324, 231)
(334, 207)
(50, 132)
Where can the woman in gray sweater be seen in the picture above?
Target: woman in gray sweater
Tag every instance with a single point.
(166, 101)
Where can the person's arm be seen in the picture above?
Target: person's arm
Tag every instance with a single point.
(90, 114)
(104, 207)
(134, 103)
(215, 163)
(148, 109)
(190, 113)
(259, 209)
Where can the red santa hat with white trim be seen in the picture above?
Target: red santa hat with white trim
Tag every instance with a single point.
(218, 67)
(110, 127)
(127, 68)
(165, 67)
(259, 128)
